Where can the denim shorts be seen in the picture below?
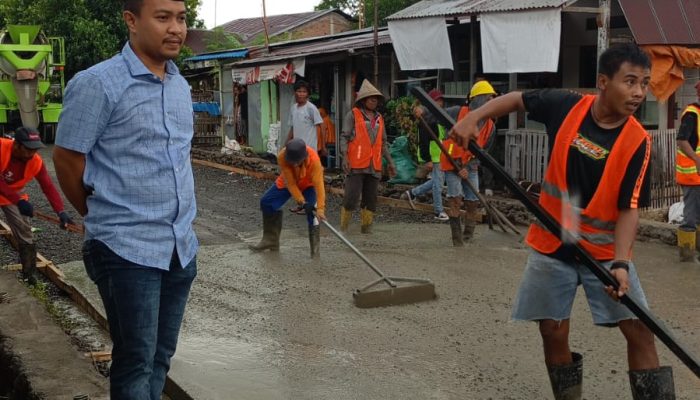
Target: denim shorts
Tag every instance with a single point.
(457, 187)
(548, 288)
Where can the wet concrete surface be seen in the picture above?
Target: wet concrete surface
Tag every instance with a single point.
(281, 326)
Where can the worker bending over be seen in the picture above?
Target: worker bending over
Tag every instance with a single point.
(301, 177)
(19, 164)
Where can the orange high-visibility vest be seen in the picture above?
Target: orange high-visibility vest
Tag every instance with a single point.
(360, 150)
(484, 134)
(594, 226)
(330, 130)
(686, 170)
(31, 169)
(456, 151)
(302, 174)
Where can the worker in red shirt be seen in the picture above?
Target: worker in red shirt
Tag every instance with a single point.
(19, 164)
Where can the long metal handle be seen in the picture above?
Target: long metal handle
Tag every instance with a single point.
(69, 227)
(359, 254)
(493, 211)
(654, 324)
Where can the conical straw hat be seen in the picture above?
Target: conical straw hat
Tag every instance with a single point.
(367, 90)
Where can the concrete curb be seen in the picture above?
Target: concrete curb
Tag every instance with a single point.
(37, 360)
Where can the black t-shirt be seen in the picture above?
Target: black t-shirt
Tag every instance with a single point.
(688, 130)
(589, 152)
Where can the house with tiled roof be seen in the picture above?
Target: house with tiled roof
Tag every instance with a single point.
(290, 26)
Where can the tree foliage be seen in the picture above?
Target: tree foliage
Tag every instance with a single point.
(93, 29)
(352, 7)
(219, 39)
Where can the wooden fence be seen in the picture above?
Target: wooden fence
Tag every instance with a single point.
(207, 130)
(664, 190)
(527, 152)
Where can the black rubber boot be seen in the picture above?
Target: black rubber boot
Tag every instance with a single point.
(566, 379)
(27, 257)
(652, 384)
(469, 219)
(456, 228)
(315, 240)
(272, 227)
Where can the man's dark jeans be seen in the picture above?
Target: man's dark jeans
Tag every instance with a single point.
(144, 308)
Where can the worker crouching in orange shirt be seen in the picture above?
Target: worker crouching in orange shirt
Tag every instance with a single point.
(301, 177)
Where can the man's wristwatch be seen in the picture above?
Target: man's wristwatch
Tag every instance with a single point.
(620, 264)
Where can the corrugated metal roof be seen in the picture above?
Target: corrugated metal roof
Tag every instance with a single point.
(249, 28)
(323, 46)
(663, 21)
(219, 56)
(446, 8)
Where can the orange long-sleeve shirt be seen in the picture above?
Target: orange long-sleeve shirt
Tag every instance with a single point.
(298, 178)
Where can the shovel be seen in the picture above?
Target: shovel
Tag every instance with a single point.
(641, 312)
(415, 290)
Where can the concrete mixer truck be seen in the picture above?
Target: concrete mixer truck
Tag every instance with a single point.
(31, 79)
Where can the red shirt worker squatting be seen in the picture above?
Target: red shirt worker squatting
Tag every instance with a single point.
(19, 164)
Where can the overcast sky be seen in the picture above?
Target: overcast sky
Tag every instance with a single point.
(228, 10)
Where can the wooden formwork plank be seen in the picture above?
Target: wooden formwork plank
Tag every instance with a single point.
(240, 171)
(387, 201)
(55, 275)
(99, 356)
(17, 267)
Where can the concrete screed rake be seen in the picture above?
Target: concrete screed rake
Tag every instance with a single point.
(412, 290)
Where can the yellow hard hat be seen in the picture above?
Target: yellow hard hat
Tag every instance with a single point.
(481, 87)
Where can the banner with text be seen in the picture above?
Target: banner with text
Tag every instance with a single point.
(279, 72)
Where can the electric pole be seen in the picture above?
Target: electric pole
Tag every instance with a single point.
(376, 42)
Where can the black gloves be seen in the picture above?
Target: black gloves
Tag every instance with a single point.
(309, 208)
(25, 208)
(65, 220)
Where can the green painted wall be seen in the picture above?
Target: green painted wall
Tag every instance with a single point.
(264, 112)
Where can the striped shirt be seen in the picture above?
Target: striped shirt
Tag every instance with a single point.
(135, 131)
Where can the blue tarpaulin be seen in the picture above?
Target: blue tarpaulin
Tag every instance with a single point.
(219, 56)
(211, 108)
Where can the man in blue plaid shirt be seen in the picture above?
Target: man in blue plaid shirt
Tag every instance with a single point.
(122, 158)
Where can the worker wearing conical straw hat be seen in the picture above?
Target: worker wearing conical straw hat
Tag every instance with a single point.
(363, 142)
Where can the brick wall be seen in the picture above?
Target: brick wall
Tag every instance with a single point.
(322, 26)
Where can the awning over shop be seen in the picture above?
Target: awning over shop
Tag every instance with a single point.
(282, 60)
(210, 107)
(421, 43)
(516, 35)
(663, 22)
(526, 41)
(220, 56)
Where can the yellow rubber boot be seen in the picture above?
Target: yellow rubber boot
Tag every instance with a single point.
(686, 244)
(345, 216)
(366, 217)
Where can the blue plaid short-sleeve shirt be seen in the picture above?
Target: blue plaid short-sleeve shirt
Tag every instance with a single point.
(135, 131)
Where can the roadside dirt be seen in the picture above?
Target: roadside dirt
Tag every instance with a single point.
(280, 326)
